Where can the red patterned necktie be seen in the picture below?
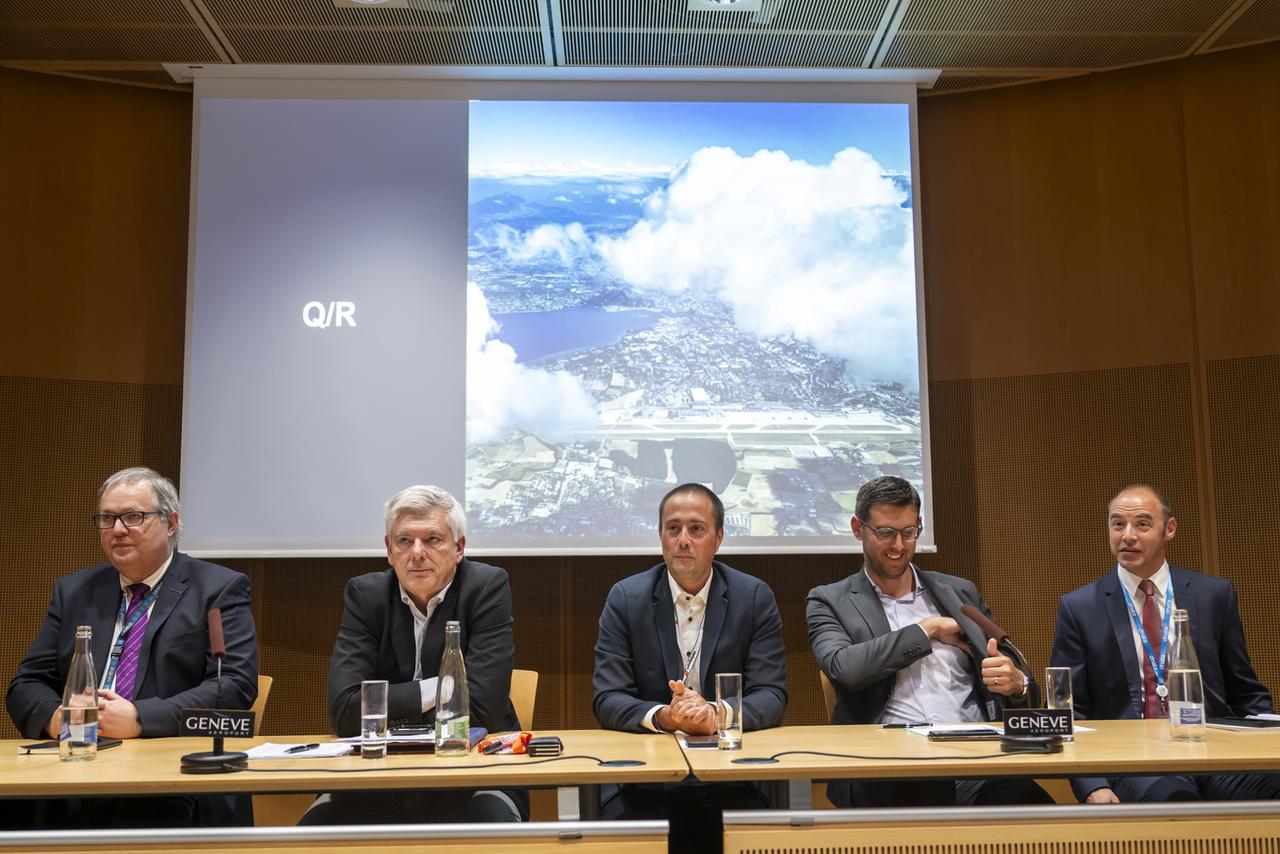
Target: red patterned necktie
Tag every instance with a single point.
(127, 670)
(1153, 704)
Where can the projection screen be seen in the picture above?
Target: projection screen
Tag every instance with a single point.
(557, 299)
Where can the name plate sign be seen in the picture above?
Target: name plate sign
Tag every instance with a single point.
(1037, 722)
(217, 723)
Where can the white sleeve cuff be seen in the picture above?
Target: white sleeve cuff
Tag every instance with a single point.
(428, 688)
(649, 717)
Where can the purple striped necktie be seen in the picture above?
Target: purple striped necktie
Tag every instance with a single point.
(127, 671)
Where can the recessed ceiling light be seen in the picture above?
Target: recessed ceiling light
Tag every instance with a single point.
(724, 5)
(370, 4)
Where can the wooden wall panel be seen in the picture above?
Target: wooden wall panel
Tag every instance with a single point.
(1231, 103)
(1244, 437)
(1054, 231)
(93, 229)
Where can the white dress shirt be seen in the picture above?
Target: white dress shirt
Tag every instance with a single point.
(151, 581)
(1130, 581)
(937, 688)
(691, 616)
(420, 620)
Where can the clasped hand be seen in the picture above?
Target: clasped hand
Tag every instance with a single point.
(998, 671)
(687, 712)
(117, 717)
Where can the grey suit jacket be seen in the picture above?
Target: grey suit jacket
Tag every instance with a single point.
(858, 652)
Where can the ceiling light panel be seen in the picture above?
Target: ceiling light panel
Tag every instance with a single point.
(101, 30)
(1048, 33)
(416, 32)
(781, 33)
(1260, 23)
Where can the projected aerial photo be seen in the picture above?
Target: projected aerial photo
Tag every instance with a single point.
(670, 292)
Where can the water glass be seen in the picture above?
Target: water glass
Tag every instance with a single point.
(373, 718)
(729, 711)
(1057, 691)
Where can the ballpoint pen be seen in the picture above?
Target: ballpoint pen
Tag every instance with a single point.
(904, 726)
(301, 748)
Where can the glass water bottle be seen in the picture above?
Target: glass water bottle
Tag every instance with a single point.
(453, 706)
(1186, 689)
(78, 736)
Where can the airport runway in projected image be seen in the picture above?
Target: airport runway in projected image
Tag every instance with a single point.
(660, 293)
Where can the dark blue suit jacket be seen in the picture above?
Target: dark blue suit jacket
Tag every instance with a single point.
(1094, 637)
(175, 670)
(637, 652)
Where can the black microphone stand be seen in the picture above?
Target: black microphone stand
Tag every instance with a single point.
(219, 760)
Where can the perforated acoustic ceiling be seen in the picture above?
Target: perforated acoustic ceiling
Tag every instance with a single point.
(976, 43)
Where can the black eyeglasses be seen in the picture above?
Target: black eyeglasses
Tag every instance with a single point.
(132, 519)
(885, 534)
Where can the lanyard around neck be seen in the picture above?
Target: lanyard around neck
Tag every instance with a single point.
(1157, 666)
(125, 624)
(692, 655)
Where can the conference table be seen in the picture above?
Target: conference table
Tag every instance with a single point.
(151, 766)
(1114, 748)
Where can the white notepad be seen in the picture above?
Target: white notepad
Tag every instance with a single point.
(271, 750)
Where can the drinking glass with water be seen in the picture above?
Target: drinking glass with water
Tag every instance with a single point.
(729, 711)
(373, 718)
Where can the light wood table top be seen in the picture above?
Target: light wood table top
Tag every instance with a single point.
(150, 766)
(1116, 748)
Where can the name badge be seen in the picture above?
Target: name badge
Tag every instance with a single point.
(217, 722)
(1037, 722)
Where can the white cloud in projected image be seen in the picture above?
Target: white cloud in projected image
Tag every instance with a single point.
(565, 242)
(819, 252)
(503, 395)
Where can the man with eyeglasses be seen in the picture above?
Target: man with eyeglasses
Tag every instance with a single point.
(148, 607)
(1110, 633)
(896, 647)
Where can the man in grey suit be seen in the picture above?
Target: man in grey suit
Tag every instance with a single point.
(897, 648)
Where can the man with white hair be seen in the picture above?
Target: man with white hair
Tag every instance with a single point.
(393, 628)
(148, 607)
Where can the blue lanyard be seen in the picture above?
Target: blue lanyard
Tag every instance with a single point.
(1156, 666)
(118, 648)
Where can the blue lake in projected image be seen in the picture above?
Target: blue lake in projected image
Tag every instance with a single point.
(535, 335)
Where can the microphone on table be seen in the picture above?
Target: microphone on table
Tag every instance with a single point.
(217, 646)
(991, 630)
(219, 760)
